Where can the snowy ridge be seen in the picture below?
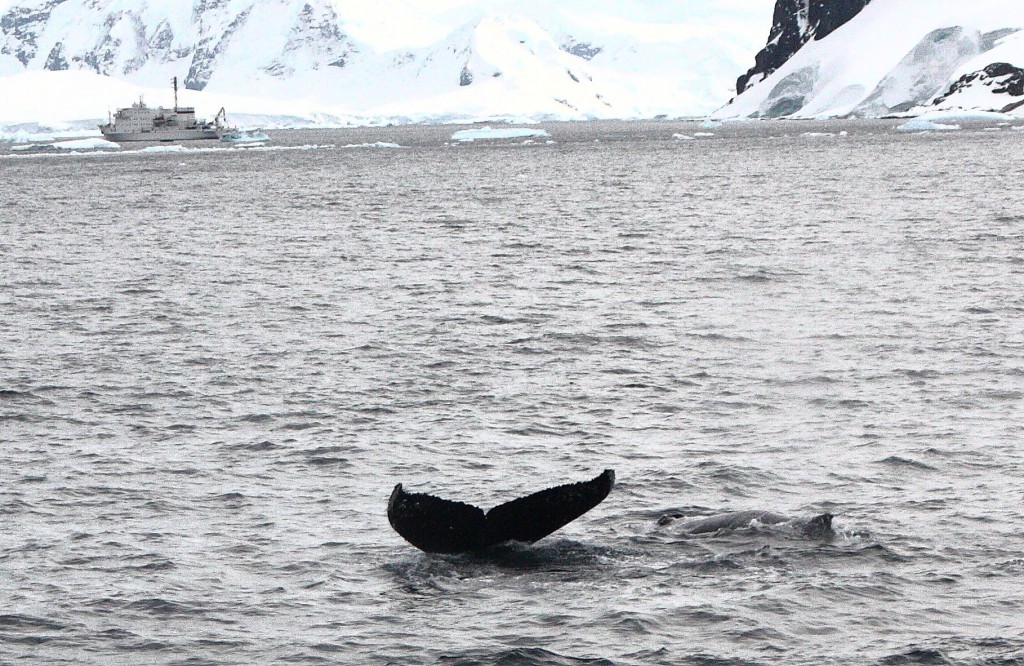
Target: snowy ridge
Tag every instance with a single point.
(347, 61)
(897, 57)
(795, 23)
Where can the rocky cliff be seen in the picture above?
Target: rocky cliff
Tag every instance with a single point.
(795, 23)
(873, 59)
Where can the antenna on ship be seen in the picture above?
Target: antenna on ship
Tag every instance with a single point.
(175, 82)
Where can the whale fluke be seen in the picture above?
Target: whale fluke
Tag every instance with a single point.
(438, 525)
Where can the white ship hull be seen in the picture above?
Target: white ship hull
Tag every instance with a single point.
(161, 135)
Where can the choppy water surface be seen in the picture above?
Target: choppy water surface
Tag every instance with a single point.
(215, 366)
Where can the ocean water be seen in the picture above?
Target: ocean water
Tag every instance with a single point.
(216, 364)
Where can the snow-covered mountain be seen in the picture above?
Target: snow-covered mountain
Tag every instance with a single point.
(795, 23)
(871, 58)
(386, 60)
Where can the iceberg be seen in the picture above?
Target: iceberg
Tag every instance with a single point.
(77, 144)
(921, 125)
(240, 136)
(376, 144)
(962, 116)
(47, 151)
(485, 133)
(949, 120)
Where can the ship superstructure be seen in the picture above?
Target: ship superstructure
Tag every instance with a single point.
(140, 122)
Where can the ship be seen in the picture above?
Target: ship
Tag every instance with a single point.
(139, 122)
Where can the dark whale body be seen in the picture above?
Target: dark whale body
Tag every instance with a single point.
(437, 525)
(817, 527)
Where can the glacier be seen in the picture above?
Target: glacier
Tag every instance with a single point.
(899, 57)
(64, 64)
(485, 133)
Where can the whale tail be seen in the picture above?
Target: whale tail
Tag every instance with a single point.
(437, 525)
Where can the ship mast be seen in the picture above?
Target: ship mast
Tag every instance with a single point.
(175, 81)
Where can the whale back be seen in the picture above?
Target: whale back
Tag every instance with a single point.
(819, 527)
(733, 520)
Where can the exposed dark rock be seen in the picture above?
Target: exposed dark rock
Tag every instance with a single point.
(142, 51)
(795, 23)
(317, 34)
(208, 50)
(1002, 77)
(584, 50)
(56, 60)
(19, 28)
(318, 31)
(124, 42)
(923, 72)
(466, 77)
(162, 39)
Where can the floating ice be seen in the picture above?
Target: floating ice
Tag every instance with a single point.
(921, 125)
(965, 117)
(49, 151)
(682, 137)
(377, 144)
(501, 133)
(78, 144)
(703, 134)
(165, 149)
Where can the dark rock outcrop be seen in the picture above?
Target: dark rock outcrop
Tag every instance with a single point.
(923, 72)
(56, 60)
(795, 23)
(209, 49)
(584, 50)
(1002, 77)
(20, 26)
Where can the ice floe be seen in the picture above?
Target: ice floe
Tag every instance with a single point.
(376, 144)
(75, 144)
(487, 133)
(921, 125)
(176, 149)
